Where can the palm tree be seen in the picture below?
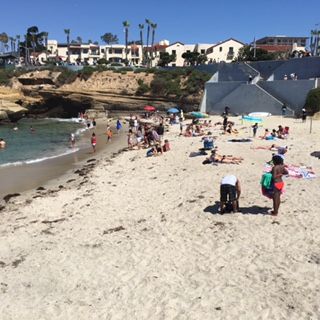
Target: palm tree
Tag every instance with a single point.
(148, 22)
(4, 40)
(18, 45)
(67, 32)
(154, 27)
(141, 27)
(126, 25)
(33, 32)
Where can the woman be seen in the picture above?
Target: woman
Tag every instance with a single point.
(277, 172)
(119, 125)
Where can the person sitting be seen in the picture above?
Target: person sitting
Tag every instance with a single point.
(155, 150)
(230, 191)
(265, 135)
(166, 146)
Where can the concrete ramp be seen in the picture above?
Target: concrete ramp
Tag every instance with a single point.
(245, 99)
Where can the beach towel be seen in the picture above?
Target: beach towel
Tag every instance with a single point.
(299, 172)
(267, 185)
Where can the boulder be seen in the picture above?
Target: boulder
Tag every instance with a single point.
(12, 110)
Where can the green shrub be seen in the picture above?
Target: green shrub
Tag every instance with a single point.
(142, 88)
(66, 76)
(313, 101)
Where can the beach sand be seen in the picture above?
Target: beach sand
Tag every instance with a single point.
(140, 238)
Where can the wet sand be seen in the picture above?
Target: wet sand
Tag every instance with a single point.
(17, 179)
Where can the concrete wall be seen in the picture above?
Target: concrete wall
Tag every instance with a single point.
(293, 93)
(216, 91)
(266, 68)
(245, 99)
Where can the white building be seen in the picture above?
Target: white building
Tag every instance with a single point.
(225, 51)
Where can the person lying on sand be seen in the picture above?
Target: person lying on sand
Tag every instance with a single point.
(216, 158)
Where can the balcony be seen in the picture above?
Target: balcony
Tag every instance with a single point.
(230, 55)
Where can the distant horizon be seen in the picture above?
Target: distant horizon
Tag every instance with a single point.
(205, 22)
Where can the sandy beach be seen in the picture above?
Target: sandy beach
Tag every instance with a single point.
(130, 237)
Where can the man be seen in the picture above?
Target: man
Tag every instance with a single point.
(2, 144)
(304, 114)
(284, 109)
(230, 191)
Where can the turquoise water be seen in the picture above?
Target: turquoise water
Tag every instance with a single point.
(49, 139)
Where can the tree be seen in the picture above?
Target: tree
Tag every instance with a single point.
(67, 32)
(148, 22)
(79, 41)
(166, 58)
(191, 57)
(126, 25)
(109, 38)
(202, 58)
(154, 27)
(246, 53)
(18, 44)
(141, 27)
(313, 101)
(32, 34)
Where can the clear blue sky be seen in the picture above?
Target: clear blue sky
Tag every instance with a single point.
(188, 21)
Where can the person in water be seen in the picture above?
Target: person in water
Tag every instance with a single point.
(278, 170)
(2, 143)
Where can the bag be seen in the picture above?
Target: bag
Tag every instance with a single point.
(266, 180)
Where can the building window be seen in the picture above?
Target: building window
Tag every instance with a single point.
(102, 50)
(230, 50)
(220, 49)
(188, 51)
(118, 51)
(110, 51)
(203, 51)
(173, 52)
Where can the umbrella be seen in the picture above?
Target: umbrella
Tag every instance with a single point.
(173, 110)
(198, 115)
(149, 108)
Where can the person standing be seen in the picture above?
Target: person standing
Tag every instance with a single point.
(93, 141)
(278, 170)
(119, 125)
(284, 109)
(304, 114)
(72, 140)
(255, 129)
(225, 123)
(230, 191)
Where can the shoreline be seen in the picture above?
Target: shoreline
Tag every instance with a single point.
(25, 177)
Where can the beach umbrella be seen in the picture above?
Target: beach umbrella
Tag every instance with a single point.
(198, 115)
(149, 108)
(173, 110)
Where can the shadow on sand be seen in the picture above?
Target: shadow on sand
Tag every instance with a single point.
(214, 209)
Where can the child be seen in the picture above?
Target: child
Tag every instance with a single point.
(277, 172)
(166, 146)
(255, 128)
(93, 141)
(109, 134)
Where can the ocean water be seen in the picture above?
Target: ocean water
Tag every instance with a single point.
(49, 139)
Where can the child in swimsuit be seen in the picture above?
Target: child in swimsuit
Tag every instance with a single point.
(277, 171)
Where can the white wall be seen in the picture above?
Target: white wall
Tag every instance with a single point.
(220, 51)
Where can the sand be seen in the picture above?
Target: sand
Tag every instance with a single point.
(141, 238)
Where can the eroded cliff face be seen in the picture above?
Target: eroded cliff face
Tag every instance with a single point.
(39, 94)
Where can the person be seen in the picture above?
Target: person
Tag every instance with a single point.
(93, 141)
(254, 129)
(118, 126)
(32, 130)
(285, 77)
(304, 114)
(284, 109)
(181, 126)
(130, 139)
(160, 131)
(230, 190)
(2, 143)
(225, 123)
(226, 110)
(72, 140)
(166, 146)
(278, 170)
(250, 79)
(94, 123)
(109, 134)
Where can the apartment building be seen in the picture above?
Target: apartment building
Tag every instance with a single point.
(282, 43)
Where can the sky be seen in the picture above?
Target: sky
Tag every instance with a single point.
(187, 21)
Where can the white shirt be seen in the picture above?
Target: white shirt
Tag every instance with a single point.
(230, 179)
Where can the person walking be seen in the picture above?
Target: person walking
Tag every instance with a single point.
(93, 142)
(72, 140)
(284, 109)
(255, 129)
(230, 191)
(304, 114)
(118, 126)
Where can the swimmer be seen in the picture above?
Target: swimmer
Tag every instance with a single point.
(2, 144)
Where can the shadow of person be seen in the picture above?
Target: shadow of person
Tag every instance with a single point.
(254, 210)
(214, 209)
